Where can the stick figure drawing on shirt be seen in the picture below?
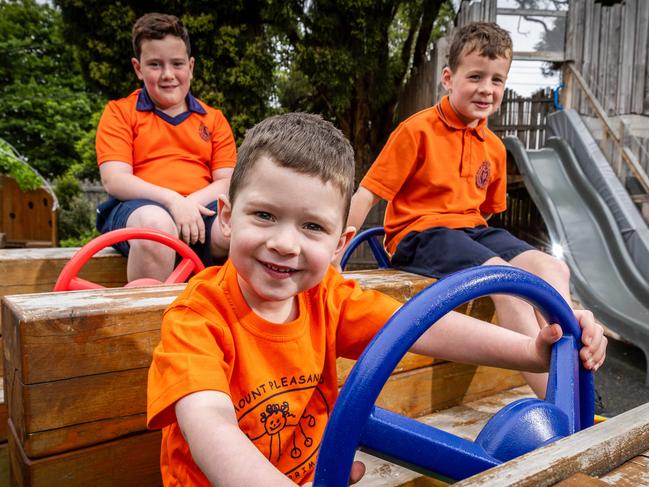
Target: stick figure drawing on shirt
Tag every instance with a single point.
(275, 419)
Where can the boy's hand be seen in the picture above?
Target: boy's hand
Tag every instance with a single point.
(358, 470)
(188, 216)
(593, 353)
(594, 342)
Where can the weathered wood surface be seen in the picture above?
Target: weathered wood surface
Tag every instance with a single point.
(631, 474)
(36, 270)
(26, 215)
(4, 463)
(134, 460)
(594, 451)
(131, 461)
(79, 363)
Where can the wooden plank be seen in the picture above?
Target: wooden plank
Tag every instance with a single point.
(68, 414)
(131, 461)
(625, 86)
(613, 58)
(78, 466)
(641, 59)
(3, 413)
(631, 474)
(602, 67)
(4, 463)
(581, 480)
(36, 270)
(593, 451)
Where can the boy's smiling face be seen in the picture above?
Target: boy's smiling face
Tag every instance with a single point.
(284, 228)
(166, 71)
(476, 86)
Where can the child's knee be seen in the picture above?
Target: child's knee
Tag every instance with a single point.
(153, 217)
(551, 268)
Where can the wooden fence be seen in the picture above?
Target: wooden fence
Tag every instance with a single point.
(524, 117)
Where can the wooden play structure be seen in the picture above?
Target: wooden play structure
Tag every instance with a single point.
(27, 218)
(75, 364)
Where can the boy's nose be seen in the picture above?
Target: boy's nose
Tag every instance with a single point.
(167, 72)
(284, 241)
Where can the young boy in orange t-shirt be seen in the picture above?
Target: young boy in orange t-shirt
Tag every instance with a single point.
(443, 173)
(244, 377)
(164, 156)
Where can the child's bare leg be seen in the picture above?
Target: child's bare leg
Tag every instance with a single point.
(547, 267)
(147, 258)
(515, 314)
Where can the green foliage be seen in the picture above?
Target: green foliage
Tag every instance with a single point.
(12, 165)
(76, 218)
(349, 60)
(44, 109)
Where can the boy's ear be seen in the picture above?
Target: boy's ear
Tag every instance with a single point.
(225, 215)
(191, 68)
(345, 238)
(446, 78)
(137, 68)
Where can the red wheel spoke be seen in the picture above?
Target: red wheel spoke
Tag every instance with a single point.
(181, 273)
(78, 284)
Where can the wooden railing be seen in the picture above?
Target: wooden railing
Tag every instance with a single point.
(617, 145)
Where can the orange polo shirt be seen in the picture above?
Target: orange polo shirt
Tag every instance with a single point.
(435, 171)
(178, 153)
(281, 377)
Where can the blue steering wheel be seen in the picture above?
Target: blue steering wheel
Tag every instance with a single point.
(518, 428)
(371, 236)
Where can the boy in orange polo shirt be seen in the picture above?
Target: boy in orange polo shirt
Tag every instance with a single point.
(443, 173)
(164, 156)
(244, 377)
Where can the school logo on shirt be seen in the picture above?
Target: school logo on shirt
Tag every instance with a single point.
(285, 418)
(483, 175)
(204, 132)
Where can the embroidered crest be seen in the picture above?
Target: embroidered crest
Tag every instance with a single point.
(483, 175)
(204, 132)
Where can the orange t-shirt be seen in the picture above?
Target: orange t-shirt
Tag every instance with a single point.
(435, 171)
(281, 377)
(178, 153)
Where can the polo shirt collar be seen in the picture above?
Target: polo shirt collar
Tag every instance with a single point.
(452, 120)
(145, 104)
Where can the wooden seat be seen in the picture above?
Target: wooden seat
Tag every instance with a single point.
(77, 367)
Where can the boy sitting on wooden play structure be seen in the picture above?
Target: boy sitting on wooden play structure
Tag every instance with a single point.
(164, 156)
(245, 375)
(443, 173)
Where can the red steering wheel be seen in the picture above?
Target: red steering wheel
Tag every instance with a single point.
(68, 280)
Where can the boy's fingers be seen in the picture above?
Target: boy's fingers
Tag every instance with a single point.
(357, 472)
(206, 211)
(551, 333)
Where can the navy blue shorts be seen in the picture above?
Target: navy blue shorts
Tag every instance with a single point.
(440, 251)
(113, 214)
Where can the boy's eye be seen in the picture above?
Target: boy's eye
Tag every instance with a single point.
(263, 215)
(314, 227)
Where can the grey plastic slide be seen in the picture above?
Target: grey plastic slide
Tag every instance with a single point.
(568, 125)
(603, 275)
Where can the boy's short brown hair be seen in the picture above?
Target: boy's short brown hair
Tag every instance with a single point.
(303, 142)
(158, 26)
(488, 38)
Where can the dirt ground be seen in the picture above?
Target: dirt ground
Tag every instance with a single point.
(620, 383)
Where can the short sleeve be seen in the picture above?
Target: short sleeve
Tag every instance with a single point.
(114, 140)
(192, 356)
(362, 314)
(393, 165)
(224, 149)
